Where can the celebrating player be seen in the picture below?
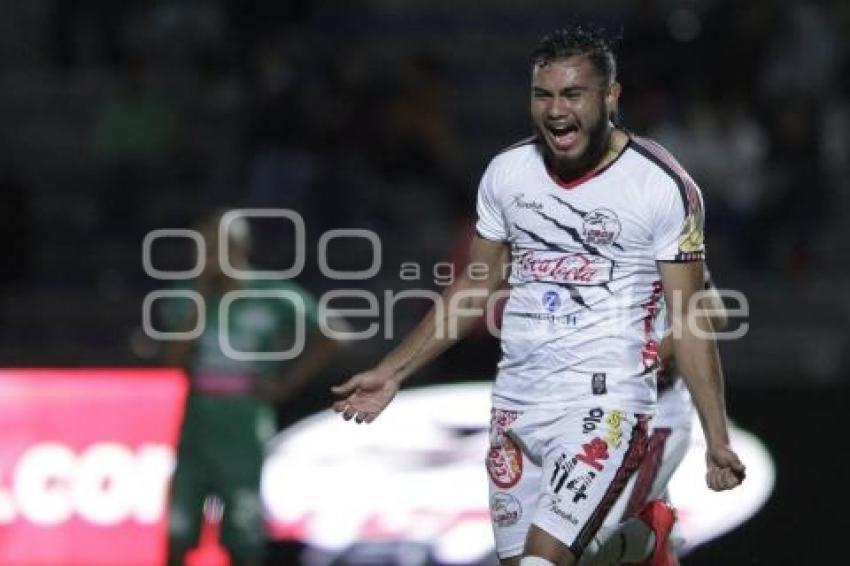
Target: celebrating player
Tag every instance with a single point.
(597, 225)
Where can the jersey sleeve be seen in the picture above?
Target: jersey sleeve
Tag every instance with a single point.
(491, 221)
(679, 223)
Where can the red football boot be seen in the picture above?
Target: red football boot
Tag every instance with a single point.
(660, 518)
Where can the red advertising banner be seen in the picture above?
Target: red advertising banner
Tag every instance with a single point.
(85, 461)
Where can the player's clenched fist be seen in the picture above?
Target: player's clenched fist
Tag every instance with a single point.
(725, 470)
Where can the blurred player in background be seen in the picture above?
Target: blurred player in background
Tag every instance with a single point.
(230, 409)
(638, 528)
(598, 225)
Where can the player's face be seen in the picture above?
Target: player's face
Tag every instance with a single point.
(570, 106)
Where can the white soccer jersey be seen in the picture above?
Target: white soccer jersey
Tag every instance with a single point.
(585, 288)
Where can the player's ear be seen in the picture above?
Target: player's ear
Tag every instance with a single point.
(612, 97)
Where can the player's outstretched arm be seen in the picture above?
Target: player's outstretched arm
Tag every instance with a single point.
(696, 355)
(366, 394)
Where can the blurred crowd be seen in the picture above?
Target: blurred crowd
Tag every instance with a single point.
(136, 115)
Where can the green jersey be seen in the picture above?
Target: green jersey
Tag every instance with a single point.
(246, 332)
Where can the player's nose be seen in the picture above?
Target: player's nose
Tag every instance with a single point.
(558, 108)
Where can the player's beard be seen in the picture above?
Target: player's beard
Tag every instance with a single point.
(568, 168)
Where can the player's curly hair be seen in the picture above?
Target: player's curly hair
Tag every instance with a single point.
(595, 42)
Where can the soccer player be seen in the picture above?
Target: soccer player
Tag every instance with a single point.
(229, 412)
(597, 224)
(638, 528)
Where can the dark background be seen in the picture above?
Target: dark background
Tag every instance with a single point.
(122, 117)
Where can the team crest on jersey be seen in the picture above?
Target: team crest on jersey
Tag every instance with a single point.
(601, 227)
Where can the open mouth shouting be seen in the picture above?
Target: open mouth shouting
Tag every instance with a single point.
(562, 136)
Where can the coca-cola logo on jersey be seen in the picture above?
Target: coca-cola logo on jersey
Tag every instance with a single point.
(573, 268)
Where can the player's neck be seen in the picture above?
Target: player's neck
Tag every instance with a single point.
(617, 141)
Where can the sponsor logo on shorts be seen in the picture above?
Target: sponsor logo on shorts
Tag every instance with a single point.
(614, 435)
(504, 463)
(564, 466)
(555, 507)
(579, 484)
(504, 458)
(505, 509)
(593, 451)
(613, 420)
(593, 418)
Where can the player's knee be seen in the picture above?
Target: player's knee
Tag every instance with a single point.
(540, 545)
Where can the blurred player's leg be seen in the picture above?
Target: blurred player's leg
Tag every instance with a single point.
(244, 427)
(189, 486)
(184, 516)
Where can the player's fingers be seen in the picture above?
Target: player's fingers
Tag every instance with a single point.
(716, 483)
(713, 479)
(347, 387)
(371, 417)
(740, 474)
(725, 479)
(730, 479)
(339, 406)
(737, 466)
(732, 468)
(719, 481)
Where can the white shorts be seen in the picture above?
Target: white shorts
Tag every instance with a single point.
(561, 471)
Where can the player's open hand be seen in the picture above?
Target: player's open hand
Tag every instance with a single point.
(725, 470)
(365, 395)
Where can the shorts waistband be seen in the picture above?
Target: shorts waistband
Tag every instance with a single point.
(224, 383)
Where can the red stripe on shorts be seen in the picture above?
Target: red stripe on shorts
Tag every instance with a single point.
(631, 461)
(648, 471)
